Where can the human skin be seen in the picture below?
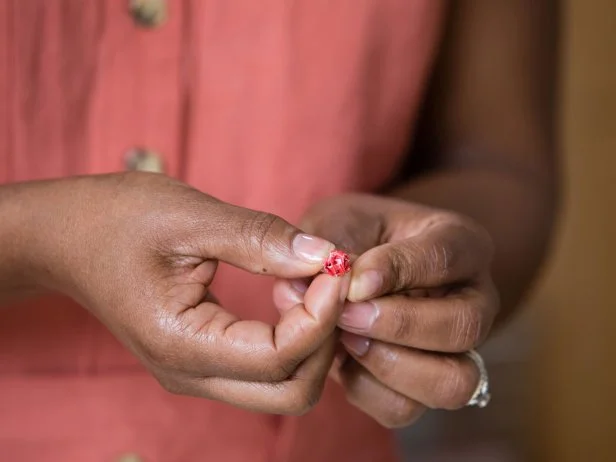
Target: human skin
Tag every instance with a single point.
(431, 252)
(448, 252)
(76, 236)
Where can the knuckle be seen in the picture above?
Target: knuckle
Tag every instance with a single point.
(261, 225)
(468, 235)
(271, 373)
(307, 395)
(458, 382)
(404, 316)
(279, 369)
(468, 328)
(283, 364)
(386, 363)
(406, 271)
(441, 260)
(259, 235)
(454, 219)
(163, 351)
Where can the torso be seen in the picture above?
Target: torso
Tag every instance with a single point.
(256, 103)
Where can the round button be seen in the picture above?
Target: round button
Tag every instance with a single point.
(144, 160)
(148, 13)
(131, 457)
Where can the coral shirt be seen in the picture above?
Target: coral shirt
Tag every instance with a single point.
(254, 102)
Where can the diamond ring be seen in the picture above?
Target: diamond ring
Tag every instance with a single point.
(481, 397)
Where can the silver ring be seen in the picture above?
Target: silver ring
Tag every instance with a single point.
(481, 397)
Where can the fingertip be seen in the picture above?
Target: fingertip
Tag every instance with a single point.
(300, 285)
(323, 289)
(358, 345)
(365, 285)
(329, 290)
(311, 249)
(340, 359)
(307, 323)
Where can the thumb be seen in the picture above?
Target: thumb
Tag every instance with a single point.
(352, 222)
(263, 243)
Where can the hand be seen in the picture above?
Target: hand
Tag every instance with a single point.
(140, 250)
(420, 294)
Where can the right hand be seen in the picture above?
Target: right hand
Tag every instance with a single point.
(140, 250)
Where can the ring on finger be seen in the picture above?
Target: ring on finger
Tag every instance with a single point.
(481, 397)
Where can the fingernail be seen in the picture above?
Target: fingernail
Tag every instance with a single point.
(366, 285)
(356, 344)
(299, 285)
(311, 249)
(358, 316)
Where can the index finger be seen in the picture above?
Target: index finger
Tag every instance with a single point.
(225, 346)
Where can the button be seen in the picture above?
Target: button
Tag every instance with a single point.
(148, 13)
(144, 160)
(131, 457)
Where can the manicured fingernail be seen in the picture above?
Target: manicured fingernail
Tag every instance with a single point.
(300, 285)
(356, 344)
(358, 316)
(366, 285)
(311, 249)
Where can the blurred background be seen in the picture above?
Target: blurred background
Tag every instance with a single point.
(553, 371)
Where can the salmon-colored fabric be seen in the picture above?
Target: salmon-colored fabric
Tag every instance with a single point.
(256, 102)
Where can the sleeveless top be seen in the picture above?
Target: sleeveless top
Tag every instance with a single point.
(255, 103)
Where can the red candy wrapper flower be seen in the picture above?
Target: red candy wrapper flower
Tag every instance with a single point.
(337, 264)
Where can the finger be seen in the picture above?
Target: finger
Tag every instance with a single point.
(441, 255)
(289, 292)
(213, 342)
(435, 380)
(388, 407)
(455, 323)
(262, 243)
(294, 396)
(185, 291)
(340, 359)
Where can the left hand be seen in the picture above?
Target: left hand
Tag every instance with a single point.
(421, 294)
